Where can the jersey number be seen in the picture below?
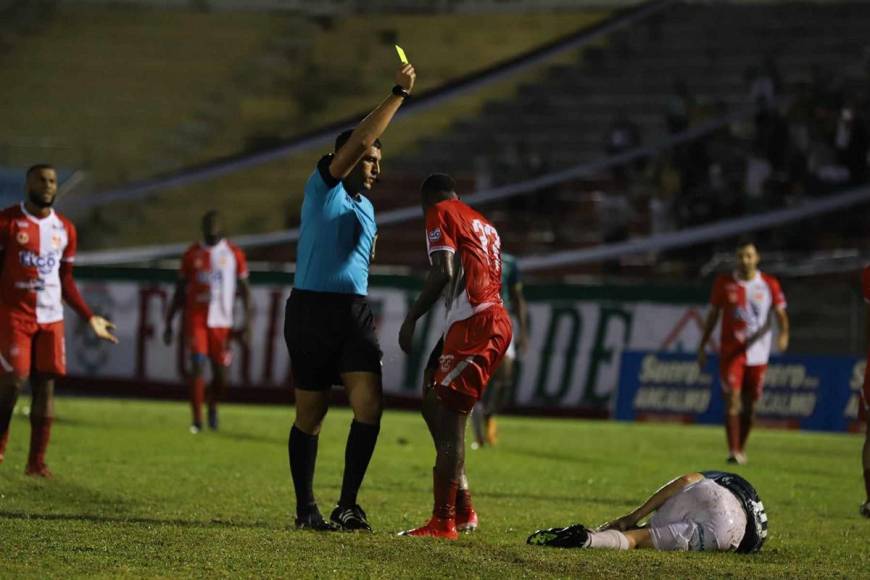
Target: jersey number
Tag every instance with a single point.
(488, 238)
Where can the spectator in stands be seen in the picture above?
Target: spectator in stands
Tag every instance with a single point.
(622, 135)
(851, 143)
(680, 107)
(764, 84)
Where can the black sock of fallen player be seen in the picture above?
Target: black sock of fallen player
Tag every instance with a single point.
(360, 446)
(302, 449)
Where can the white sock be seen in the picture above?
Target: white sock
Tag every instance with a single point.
(608, 539)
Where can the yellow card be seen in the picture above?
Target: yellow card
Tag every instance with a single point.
(401, 54)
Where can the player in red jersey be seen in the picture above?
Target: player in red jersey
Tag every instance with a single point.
(865, 289)
(37, 250)
(465, 256)
(748, 300)
(206, 290)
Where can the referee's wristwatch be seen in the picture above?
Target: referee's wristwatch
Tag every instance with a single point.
(401, 92)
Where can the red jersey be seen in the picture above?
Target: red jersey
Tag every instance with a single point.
(32, 251)
(746, 311)
(454, 227)
(211, 273)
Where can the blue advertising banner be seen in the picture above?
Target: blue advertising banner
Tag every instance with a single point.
(819, 393)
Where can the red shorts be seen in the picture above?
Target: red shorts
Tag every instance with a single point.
(213, 343)
(473, 349)
(26, 345)
(737, 375)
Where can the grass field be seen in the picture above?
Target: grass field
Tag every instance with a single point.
(136, 495)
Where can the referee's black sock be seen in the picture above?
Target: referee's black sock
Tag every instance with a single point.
(303, 455)
(360, 446)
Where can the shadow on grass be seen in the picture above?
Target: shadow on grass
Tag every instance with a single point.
(149, 521)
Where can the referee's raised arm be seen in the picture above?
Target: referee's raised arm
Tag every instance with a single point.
(373, 126)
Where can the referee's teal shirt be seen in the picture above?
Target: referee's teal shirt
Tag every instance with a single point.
(337, 236)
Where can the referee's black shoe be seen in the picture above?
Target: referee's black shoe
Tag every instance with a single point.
(350, 518)
(313, 520)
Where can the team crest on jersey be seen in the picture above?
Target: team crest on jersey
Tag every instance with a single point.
(434, 234)
(56, 241)
(22, 238)
(445, 361)
(759, 296)
(222, 262)
(197, 263)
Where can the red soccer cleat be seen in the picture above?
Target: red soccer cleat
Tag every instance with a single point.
(38, 470)
(435, 528)
(467, 521)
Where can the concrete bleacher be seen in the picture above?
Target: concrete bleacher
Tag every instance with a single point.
(563, 116)
(710, 47)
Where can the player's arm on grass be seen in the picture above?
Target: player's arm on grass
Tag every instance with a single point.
(371, 128)
(666, 492)
(521, 310)
(439, 276)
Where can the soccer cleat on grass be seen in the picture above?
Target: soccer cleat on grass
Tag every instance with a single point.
(435, 528)
(350, 518)
(864, 510)
(466, 521)
(195, 428)
(576, 536)
(38, 470)
(212, 419)
(312, 520)
(737, 458)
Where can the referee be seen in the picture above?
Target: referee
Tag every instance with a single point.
(328, 325)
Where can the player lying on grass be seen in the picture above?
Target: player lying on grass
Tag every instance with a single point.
(706, 511)
(465, 254)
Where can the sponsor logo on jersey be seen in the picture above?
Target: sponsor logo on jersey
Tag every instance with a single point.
(22, 238)
(215, 277)
(434, 234)
(45, 264)
(22, 223)
(446, 362)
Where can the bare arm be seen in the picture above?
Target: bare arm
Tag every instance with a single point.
(440, 274)
(709, 325)
(782, 320)
(370, 128)
(248, 305)
(174, 306)
(521, 309)
(655, 501)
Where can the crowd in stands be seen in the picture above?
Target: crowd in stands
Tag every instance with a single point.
(807, 138)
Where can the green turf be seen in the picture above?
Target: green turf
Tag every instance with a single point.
(136, 495)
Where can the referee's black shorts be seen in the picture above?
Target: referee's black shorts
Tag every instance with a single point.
(328, 334)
